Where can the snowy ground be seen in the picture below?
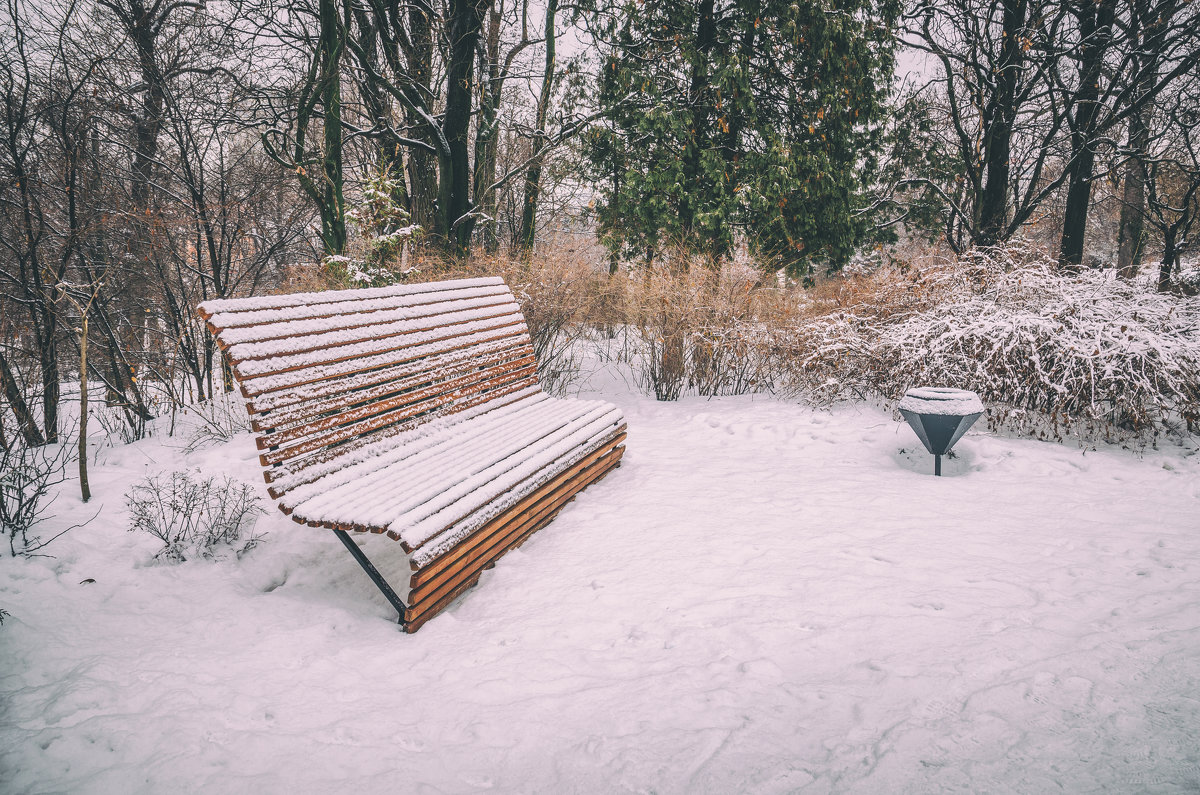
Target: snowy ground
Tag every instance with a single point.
(764, 598)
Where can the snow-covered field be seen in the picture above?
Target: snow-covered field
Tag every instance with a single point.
(764, 598)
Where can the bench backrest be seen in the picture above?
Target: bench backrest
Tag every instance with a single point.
(327, 374)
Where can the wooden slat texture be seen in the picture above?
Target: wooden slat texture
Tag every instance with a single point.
(438, 598)
(308, 301)
(508, 533)
(353, 315)
(296, 406)
(455, 473)
(386, 341)
(352, 411)
(283, 389)
(468, 523)
(475, 545)
(422, 574)
(309, 348)
(484, 481)
(412, 411)
(434, 402)
(318, 465)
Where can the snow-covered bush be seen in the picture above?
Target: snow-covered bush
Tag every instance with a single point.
(1049, 351)
(345, 272)
(217, 420)
(194, 517)
(1085, 348)
(1186, 282)
(28, 474)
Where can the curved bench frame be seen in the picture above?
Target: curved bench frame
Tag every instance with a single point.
(336, 379)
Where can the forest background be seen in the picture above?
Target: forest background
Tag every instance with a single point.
(744, 196)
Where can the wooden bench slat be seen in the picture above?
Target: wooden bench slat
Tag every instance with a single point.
(424, 460)
(307, 350)
(392, 418)
(273, 339)
(506, 534)
(245, 326)
(496, 479)
(426, 569)
(210, 309)
(352, 411)
(481, 442)
(450, 589)
(326, 379)
(292, 474)
(473, 473)
(421, 433)
(440, 544)
(311, 363)
(382, 385)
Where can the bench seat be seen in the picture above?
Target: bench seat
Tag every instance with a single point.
(414, 413)
(431, 486)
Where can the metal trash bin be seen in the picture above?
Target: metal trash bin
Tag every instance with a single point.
(940, 416)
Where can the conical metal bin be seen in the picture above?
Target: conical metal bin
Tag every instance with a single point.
(940, 416)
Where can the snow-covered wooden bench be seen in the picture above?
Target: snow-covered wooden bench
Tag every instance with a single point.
(413, 412)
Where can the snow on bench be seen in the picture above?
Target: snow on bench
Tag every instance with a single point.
(413, 412)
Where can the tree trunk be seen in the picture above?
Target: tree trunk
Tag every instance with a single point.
(143, 26)
(1170, 255)
(85, 491)
(379, 106)
(48, 353)
(422, 165)
(993, 209)
(486, 143)
(1145, 34)
(34, 291)
(454, 186)
(706, 37)
(333, 206)
(20, 409)
(533, 176)
(1095, 27)
(1131, 235)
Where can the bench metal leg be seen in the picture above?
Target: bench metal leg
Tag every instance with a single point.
(373, 573)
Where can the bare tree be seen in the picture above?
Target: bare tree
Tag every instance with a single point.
(320, 36)
(495, 69)
(1173, 178)
(28, 271)
(1002, 122)
(1033, 90)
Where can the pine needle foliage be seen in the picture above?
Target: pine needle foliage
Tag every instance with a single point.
(755, 121)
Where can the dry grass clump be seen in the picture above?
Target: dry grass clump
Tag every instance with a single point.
(701, 329)
(562, 295)
(681, 327)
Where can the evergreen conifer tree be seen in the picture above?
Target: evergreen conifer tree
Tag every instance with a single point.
(741, 120)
